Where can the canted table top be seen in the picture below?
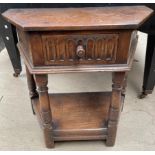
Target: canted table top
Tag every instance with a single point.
(93, 18)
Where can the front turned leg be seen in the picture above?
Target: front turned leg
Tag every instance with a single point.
(32, 87)
(45, 111)
(115, 107)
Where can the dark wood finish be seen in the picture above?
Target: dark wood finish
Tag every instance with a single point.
(11, 33)
(72, 44)
(75, 119)
(42, 66)
(80, 116)
(78, 18)
(115, 106)
(147, 27)
(45, 111)
(60, 50)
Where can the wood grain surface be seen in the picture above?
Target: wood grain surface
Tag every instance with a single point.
(105, 40)
(90, 18)
(78, 116)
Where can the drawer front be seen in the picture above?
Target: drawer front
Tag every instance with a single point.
(80, 49)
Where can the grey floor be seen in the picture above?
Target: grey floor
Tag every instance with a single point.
(19, 129)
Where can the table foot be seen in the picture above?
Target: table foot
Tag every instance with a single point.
(48, 137)
(16, 73)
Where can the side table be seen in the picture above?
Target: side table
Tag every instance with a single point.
(77, 40)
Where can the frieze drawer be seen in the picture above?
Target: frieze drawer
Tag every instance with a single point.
(80, 49)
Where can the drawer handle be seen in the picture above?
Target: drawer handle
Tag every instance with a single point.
(80, 51)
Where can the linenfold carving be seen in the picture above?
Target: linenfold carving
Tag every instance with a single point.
(101, 47)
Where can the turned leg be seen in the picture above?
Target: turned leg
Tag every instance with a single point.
(32, 87)
(149, 72)
(45, 111)
(115, 106)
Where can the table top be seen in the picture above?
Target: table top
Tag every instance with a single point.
(90, 18)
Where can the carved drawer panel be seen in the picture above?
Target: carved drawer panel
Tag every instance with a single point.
(80, 49)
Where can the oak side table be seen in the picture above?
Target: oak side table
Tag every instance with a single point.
(77, 40)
